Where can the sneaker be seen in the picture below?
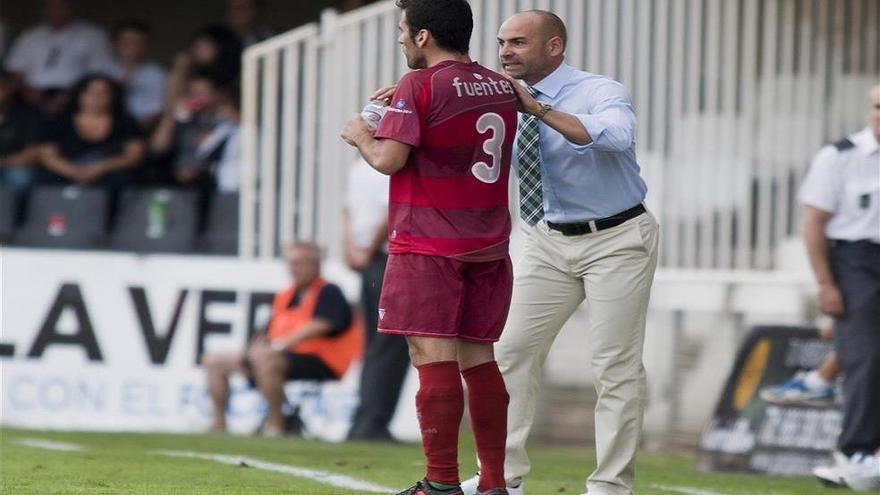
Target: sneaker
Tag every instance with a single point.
(795, 391)
(423, 488)
(832, 476)
(469, 487)
(862, 474)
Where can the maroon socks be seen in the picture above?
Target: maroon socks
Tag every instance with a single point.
(440, 406)
(487, 406)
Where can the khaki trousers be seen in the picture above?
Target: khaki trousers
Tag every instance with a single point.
(612, 270)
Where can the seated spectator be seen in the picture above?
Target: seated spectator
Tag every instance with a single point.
(94, 140)
(143, 80)
(242, 18)
(194, 134)
(20, 130)
(215, 49)
(51, 57)
(312, 336)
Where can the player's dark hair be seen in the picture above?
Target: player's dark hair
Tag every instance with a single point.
(451, 22)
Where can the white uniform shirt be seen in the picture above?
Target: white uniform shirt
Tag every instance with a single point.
(58, 58)
(844, 179)
(367, 202)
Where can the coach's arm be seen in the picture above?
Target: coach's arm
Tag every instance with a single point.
(385, 155)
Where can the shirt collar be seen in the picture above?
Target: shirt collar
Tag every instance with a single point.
(866, 142)
(553, 83)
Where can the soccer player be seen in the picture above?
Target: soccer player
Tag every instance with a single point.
(446, 141)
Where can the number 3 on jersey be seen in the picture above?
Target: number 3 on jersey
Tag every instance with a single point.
(492, 146)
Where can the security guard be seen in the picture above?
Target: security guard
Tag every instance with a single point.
(841, 200)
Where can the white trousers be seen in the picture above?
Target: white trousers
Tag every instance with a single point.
(612, 270)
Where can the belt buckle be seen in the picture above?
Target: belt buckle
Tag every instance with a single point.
(575, 229)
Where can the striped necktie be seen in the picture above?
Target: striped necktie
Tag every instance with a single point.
(528, 144)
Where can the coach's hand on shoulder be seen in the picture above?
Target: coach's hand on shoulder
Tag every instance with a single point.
(384, 93)
(355, 128)
(525, 103)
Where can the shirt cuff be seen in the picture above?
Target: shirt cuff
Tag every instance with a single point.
(594, 128)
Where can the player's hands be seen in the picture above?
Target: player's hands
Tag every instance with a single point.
(384, 93)
(354, 129)
(525, 103)
(831, 300)
(826, 332)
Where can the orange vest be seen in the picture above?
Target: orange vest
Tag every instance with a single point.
(337, 352)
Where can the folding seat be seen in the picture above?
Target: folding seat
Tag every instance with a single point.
(220, 235)
(155, 220)
(72, 217)
(8, 205)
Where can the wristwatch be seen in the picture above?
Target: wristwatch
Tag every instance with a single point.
(543, 108)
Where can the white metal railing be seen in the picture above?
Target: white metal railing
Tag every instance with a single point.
(733, 98)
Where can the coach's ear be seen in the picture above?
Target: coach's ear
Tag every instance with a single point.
(555, 46)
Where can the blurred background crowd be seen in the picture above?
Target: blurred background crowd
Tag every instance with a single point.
(89, 103)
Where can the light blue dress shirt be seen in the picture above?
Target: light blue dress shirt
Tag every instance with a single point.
(597, 180)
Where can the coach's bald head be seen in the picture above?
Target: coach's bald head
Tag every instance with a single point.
(531, 44)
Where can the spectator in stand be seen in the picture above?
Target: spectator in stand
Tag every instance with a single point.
(386, 357)
(143, 80)
(215, 49)
(20, 130)
(94, 141)
(192, 134)
(51, 57)
(312, 336)
(242, 18)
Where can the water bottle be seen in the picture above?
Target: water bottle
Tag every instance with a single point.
(373, 112)
(157, 215)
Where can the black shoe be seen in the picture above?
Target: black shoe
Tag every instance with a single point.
(423, 488)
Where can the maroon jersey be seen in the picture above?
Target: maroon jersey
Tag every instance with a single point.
(451, 197)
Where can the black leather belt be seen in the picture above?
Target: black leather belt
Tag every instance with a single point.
(582, 228)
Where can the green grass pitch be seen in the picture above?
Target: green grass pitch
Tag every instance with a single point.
(121, 464)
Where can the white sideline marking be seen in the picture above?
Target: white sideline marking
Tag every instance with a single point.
(337, 480)
(49, 445)
(685, 490)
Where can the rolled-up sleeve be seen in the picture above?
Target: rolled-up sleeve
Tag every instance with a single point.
(610, 119)
(821, 186)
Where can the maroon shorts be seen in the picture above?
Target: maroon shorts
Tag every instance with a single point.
(433, 296)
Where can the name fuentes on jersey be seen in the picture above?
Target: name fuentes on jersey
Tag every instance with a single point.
(481, 88)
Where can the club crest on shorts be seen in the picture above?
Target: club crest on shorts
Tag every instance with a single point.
(381, 314)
